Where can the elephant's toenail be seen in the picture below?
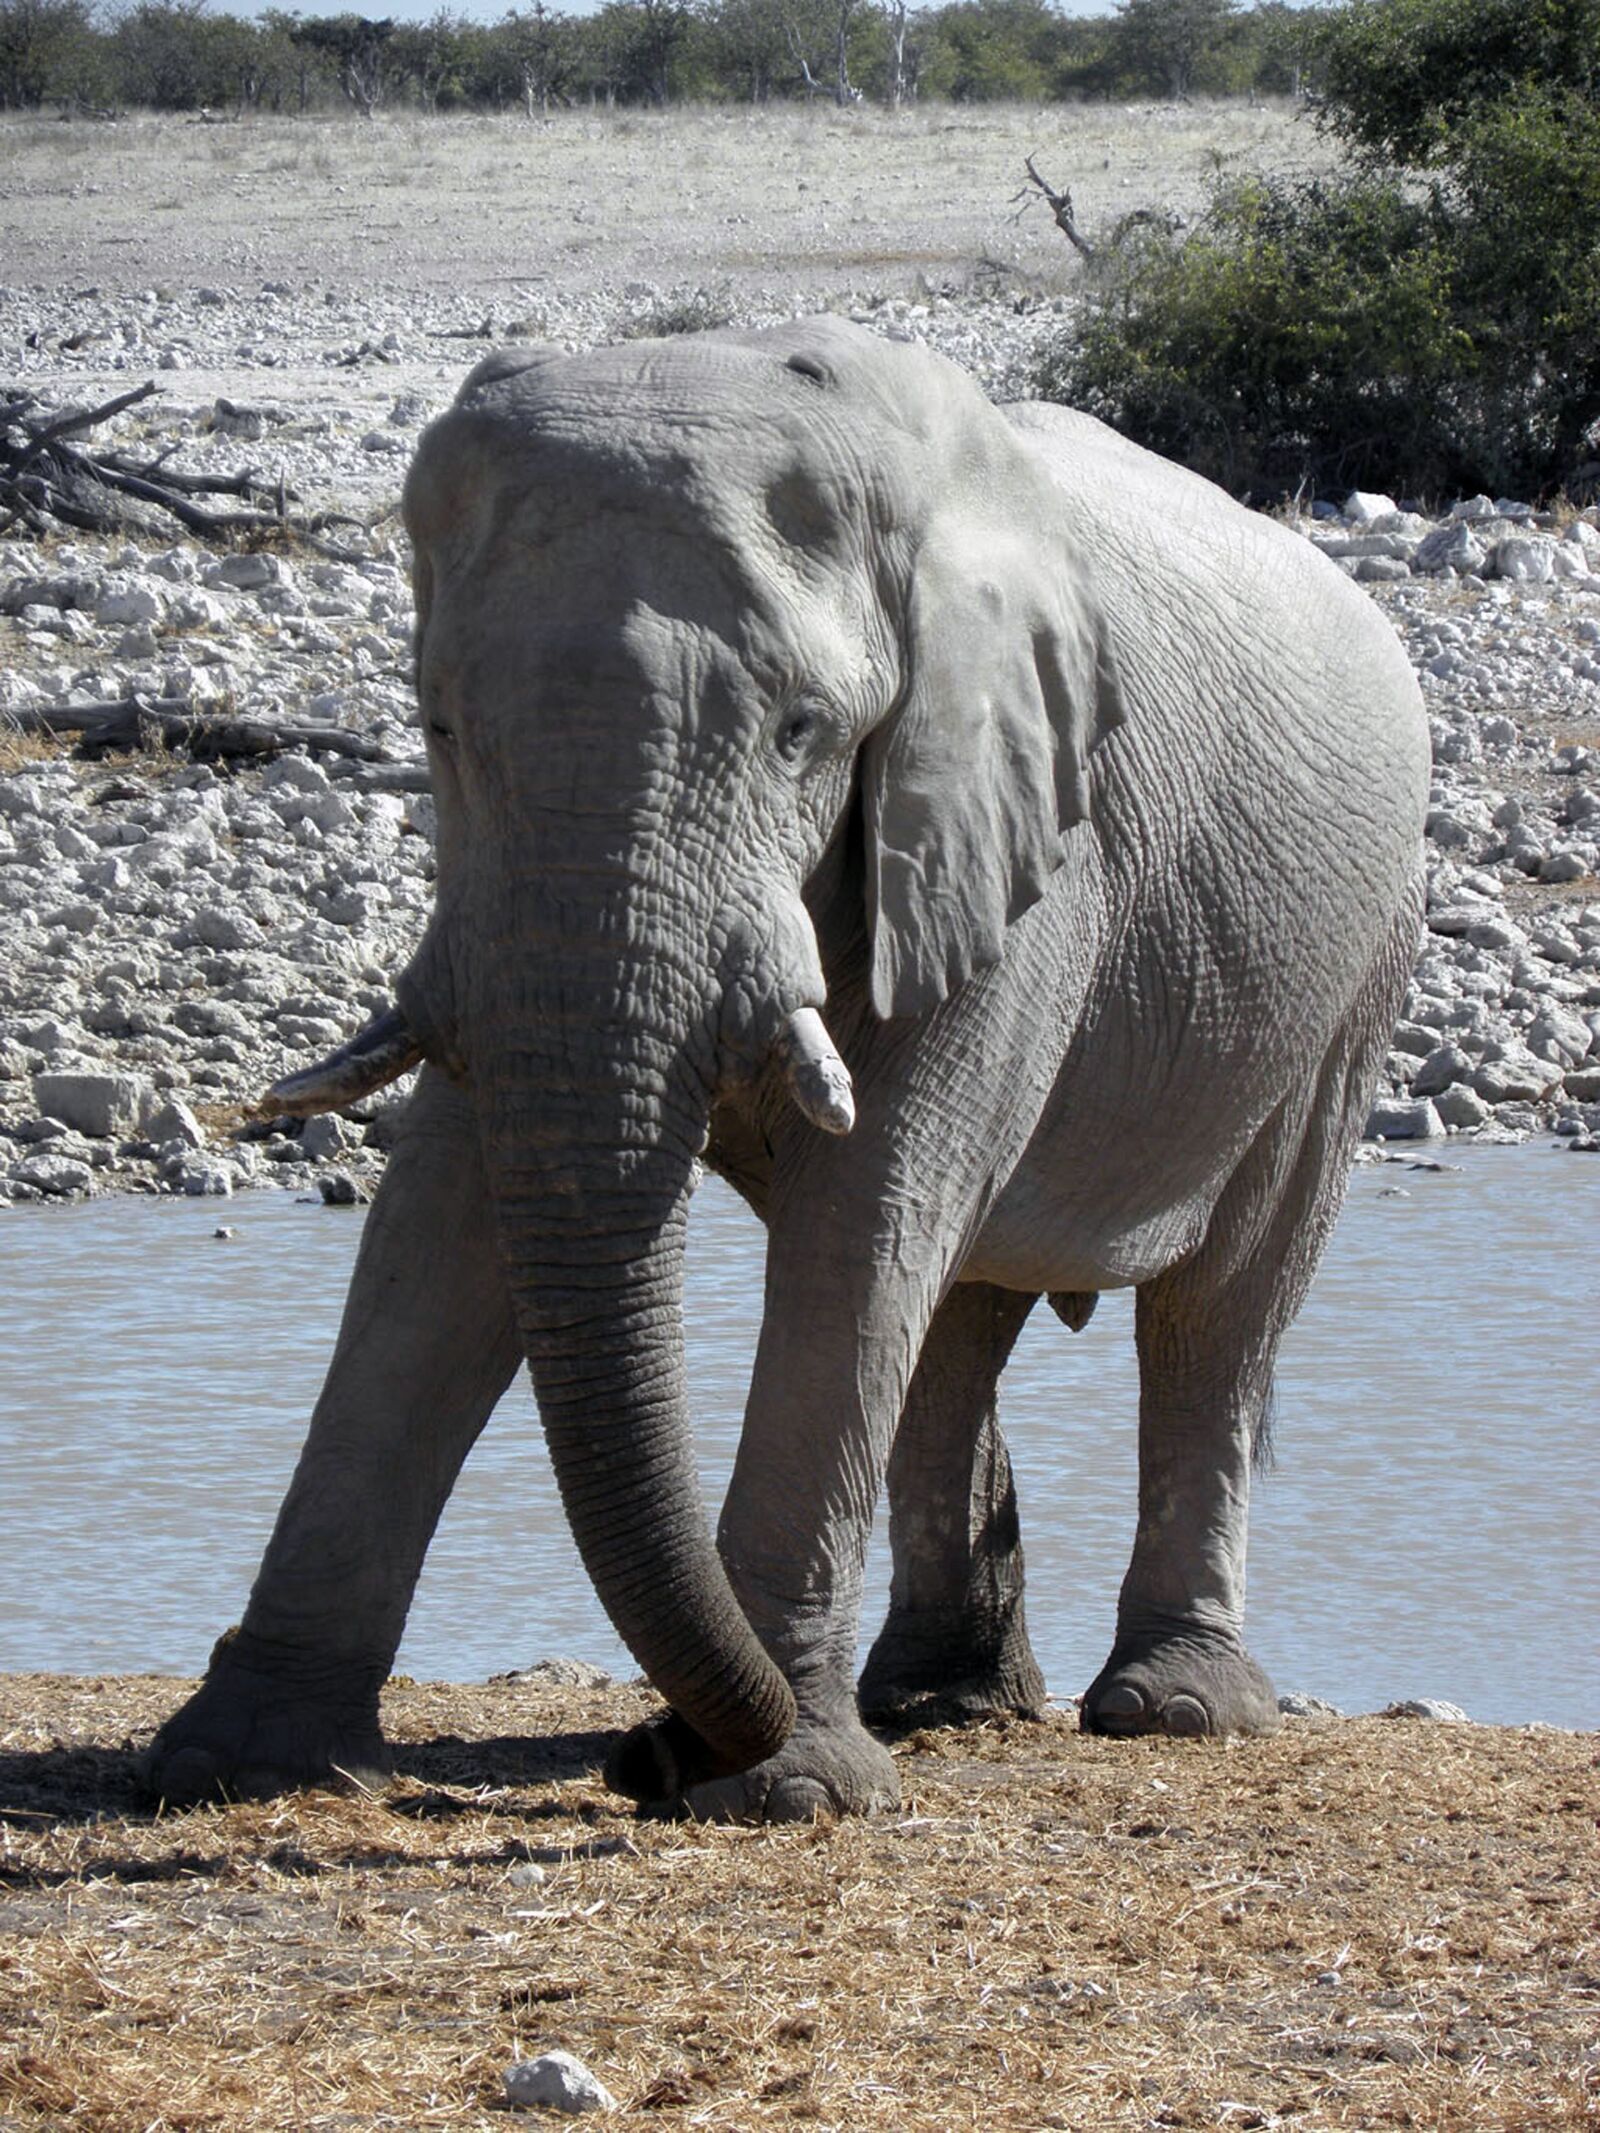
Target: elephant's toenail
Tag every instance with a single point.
(1185, 1718)
(798, 1799)
(1119, 1708)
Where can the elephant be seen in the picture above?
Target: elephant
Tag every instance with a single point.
(768, 673)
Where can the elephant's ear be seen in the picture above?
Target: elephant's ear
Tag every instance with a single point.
(967, 787)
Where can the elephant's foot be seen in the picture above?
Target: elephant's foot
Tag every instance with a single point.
(1189, 1685)
(246, 1734)
(835, 1768)
(928, 1673)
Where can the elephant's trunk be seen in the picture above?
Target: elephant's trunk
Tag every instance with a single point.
(593, 1069)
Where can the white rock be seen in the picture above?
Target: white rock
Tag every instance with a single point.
(1361, 507)
(173, 1123)
(58, 1175)
(326, 1136)
(100, 1105)
(129, 600)
(1524, 558)
(246, 573)
(556, 2081)
(1450, 1714)
(1403, 1118)
(1461, 1107)
(1554, 1034)
(1449, 548)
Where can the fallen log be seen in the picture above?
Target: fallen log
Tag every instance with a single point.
(139, 722)
(45, 477)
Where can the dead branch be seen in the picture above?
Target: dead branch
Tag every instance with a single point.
(1061, 209)
(137, 722)
(45, 477)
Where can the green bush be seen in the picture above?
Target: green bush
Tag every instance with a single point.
(1427, 331)
(1400, 78)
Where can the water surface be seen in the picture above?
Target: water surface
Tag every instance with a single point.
(1429, 1529)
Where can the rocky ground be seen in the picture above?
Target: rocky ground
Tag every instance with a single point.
(173, 935)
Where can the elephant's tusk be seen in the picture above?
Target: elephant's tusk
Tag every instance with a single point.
(387, 1048)
(817, 1078)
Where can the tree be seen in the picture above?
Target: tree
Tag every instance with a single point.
(356, 49)
(1401, 77)
(992, 49)
(536, 46)
(41, 44)
(1165, 45)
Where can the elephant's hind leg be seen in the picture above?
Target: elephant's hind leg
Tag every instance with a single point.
(1208, 1333)
(954, 1647)
(426, 1348)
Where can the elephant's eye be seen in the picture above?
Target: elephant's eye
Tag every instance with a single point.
(441, 732)
(795, 730)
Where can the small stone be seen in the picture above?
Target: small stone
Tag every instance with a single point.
(1446, 1064)
(246, 573)
(326, 1135)
(556, 2081)
(59, 1176)
(1461, 1107)
(199, 1179)
(1362, 507)
(1448, 1714)
(175, 1123)
(526, 1874)
(339, 1189)
(1403, 1118)
(1449, 548)
(100, 1105)
(557, 1674)
(1381, 570)
(1517, 1078)
(1524, 558)
(1300, 1706)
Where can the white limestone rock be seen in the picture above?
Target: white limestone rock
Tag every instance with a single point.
(556, 2081)
(102, 1105)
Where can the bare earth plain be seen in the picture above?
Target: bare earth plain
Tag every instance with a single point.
(1363, 1924)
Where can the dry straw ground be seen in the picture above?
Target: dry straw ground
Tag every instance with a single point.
(1370, 1924)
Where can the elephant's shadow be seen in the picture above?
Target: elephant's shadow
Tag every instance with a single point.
(62, 1787)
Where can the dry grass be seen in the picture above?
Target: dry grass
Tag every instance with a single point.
(813, 198)
(1367, 1925)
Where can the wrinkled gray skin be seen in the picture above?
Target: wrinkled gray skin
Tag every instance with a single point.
(764, 672)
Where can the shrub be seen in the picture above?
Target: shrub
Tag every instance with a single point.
(1428, 331)
(1399, 78)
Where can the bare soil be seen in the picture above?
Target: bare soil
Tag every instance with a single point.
(812, 201)
(1360, 1924)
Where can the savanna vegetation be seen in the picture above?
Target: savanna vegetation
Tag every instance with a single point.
(185, 55)
(1430, 319)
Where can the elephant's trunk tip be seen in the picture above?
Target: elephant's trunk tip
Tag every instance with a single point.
(816, 1077)
(387, 1048)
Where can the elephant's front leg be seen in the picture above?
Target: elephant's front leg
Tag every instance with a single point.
(426, 1348)
(838, 1344)
(955, 1645)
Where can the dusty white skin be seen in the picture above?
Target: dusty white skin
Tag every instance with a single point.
(770, 689)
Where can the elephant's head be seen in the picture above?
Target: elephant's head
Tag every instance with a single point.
(686, 611)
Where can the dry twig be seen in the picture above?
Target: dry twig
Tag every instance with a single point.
(1061, 209)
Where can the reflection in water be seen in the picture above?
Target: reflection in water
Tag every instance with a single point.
(1429, 1528)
